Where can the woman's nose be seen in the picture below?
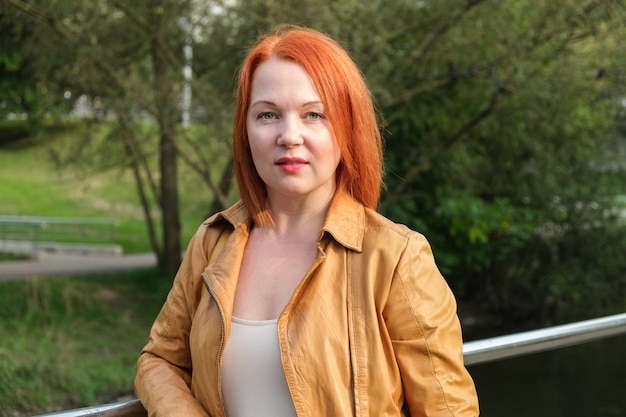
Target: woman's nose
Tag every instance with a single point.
(290, 133)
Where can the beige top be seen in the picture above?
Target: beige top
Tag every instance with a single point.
(253, 381)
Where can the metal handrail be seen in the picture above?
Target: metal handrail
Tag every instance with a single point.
(130, 408)
(475, 352)
(36, 234)
(57, 220)
(550, 338)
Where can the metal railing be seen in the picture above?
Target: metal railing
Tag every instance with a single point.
(475, 352)
(34, 234)
(550, 338)
(36, 228)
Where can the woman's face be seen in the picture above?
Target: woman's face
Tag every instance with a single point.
(292, 141)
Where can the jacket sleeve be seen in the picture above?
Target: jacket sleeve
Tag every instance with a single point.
(426, 336)
(163, 375)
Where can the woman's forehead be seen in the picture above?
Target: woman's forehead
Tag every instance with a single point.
(278, 80)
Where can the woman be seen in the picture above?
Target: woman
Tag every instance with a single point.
(301, 300)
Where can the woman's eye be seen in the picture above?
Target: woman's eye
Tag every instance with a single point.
(266, 116)
(315, 116)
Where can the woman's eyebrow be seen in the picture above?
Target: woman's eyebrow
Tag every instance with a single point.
(268, 102)
(271, 103)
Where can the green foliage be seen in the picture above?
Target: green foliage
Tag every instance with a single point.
(576, 275)
(491, 230)
(72, 342)
(590, 279)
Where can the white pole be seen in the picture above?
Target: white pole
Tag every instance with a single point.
(187, 73)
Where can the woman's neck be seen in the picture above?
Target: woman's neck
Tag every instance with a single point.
(303, 217)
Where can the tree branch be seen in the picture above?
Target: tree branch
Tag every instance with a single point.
(44, 17)
(416, 170)
(433, 37)
(203, 173)
(127, 140)
(163, 48)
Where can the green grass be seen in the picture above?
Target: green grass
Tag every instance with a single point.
(73, 342)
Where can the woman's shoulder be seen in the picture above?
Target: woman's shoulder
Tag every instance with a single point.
(356, 227)
(392, 240)
(378, 224)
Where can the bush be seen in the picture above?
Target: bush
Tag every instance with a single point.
(576, 276)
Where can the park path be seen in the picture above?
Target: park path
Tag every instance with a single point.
(57, 264)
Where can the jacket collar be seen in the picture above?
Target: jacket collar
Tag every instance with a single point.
(236, 215)
(344, 221)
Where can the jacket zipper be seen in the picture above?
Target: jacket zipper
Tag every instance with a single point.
(293, 300)
(223, 343)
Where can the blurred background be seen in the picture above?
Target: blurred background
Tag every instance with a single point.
(505, 144)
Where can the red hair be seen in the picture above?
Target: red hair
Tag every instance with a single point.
(348, 106)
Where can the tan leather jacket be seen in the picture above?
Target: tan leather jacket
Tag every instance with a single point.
(371, 330)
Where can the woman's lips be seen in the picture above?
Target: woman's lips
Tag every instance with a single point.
(291, 164)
